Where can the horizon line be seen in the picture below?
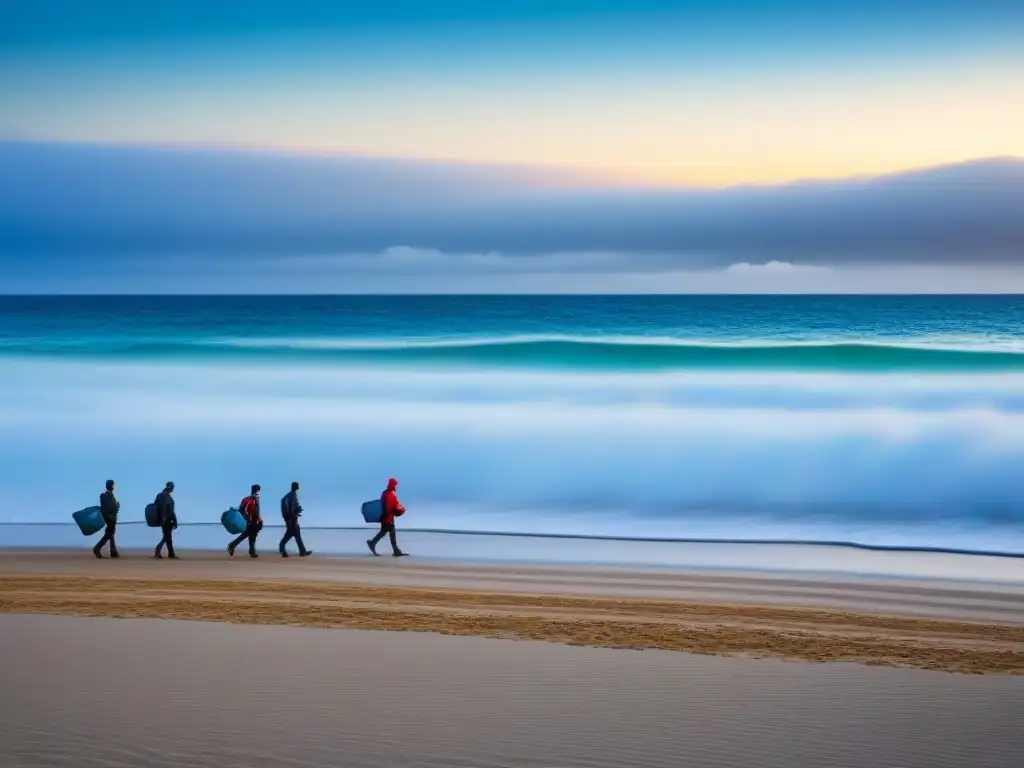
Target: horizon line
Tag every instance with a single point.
(560, 295)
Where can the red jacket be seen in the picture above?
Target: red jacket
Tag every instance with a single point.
(250, 509)
(391, 507)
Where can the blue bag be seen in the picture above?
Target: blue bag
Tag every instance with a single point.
(90, 520)
(372, 511)
(233, 521)
(151, 520)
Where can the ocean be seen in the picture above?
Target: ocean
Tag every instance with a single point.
(894, 421)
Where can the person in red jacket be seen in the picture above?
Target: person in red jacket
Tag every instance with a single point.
(390, 508)
(250, 509)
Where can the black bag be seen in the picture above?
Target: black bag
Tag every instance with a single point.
(152, 516)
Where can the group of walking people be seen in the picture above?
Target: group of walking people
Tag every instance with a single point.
(166, 519)
(291, 510)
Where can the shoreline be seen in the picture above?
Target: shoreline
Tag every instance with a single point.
(781, 542)
(543, 550)
(947, 627)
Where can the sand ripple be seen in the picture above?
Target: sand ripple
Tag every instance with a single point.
(705, 628)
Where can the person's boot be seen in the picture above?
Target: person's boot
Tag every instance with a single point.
(252, 553)
(115, 553)
(373, 548)
(398, 553)
(96, 551)
(231, 550)
(306, 553)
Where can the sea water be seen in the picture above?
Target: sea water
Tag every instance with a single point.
(881, 420)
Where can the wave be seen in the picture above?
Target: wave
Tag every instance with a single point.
(888, 460)
(565, 352)
(637, 468)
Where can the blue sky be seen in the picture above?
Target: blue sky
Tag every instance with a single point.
(649, 91)
(99, 22)
(611, 107)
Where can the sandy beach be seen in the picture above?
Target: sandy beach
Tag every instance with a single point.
(950, 627)
(99, 692)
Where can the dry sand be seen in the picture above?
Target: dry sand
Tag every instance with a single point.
(83, 692)
(951, 628)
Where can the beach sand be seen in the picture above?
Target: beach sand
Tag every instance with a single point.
(98, 692)
(972, 628)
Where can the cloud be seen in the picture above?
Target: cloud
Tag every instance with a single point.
(59, 204)
(409, 260)
(776, 268)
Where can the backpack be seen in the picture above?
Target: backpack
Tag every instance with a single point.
(247, 507)
(152, 516)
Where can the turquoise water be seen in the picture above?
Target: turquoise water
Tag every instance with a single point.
(605, 333)
(886, 420)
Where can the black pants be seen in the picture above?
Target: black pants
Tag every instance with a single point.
(292, 531)
(108, 536)
(386, 529)
(251, 531)
(168, 539)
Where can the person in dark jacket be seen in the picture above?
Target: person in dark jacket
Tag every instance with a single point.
(109, 507)
(390, 508)
(290, 511)
(168, 520)
(250, 509)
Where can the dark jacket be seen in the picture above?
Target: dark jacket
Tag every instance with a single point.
(165, 509)
(109, 507)
(290, 507)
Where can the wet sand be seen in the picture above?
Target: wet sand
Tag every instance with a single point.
(947, 627)
(88, 692)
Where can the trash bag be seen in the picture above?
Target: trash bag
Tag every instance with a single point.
(233, 521)
(151, 520)
(90, 520)
(372, 511)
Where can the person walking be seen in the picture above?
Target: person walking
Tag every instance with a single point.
(109, 507)
(291, 509)
(250, 509)
(390, 508)
(168, 520)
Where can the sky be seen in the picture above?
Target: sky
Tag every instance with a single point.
(675, 136)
